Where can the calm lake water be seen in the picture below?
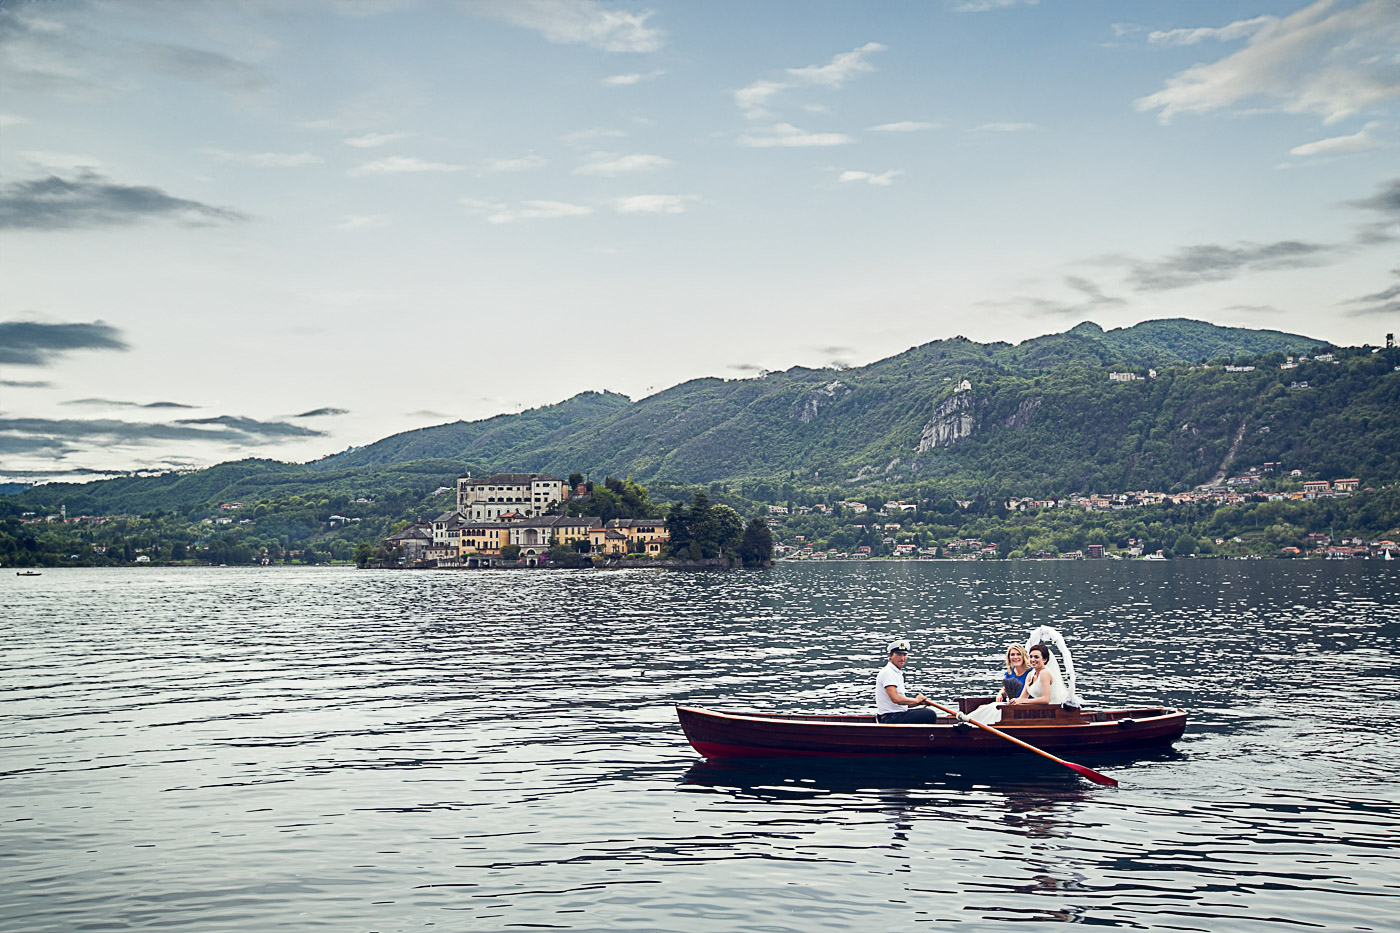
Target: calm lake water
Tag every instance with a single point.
(287, 749)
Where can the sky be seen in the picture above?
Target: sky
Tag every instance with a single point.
(281, 228)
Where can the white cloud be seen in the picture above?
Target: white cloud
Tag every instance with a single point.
(584, 22)
(654, 203)
(498, 213)
(983, 6)
(753, 100)
(61, 161)
(1236, 30)
(1323, 59)
(629, 79)
(8, 120)
(395, 165)
(883, 180)
(522, 164)
(842, 67)
(371, 140)
(362, 222)
(903, 126)
(266, 159)
(583, 137)
(1339, 145)
(610, 166)
(1004, 128)
(785, 134)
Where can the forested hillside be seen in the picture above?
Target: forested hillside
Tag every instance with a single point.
(1041, 418)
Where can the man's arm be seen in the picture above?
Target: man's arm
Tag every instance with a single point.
(895, 696)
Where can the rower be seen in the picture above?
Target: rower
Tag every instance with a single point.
(891, 704)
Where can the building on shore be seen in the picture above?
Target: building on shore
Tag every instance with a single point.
(524, 510)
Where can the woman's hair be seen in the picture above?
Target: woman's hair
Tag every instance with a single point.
(1011, 648)
(1044, 650)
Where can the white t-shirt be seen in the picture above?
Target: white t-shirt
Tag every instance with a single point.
(889, 676)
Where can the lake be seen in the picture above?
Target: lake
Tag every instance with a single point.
(254, 749)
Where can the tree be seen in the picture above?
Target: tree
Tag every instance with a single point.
(510, 552)
(1185, 544)
(756, 547)
(563, 555)
(363, 552)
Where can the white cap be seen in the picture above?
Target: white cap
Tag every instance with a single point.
(899, 644)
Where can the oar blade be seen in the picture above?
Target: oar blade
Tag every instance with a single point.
(1093, 775)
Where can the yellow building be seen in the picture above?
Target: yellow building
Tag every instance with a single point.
(644, 535)
(483, 539)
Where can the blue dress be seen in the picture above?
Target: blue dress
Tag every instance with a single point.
(1013, 684)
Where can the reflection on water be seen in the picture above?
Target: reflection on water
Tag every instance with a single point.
(243, 749)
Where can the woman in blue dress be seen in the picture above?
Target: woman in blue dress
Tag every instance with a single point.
(1013, 682)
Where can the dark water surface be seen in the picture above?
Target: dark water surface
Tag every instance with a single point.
(286, 749)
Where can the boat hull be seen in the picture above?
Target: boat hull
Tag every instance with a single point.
(717, 734)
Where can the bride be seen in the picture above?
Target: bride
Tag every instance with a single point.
(1045, 686)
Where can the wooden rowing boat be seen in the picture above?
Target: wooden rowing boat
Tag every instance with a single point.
(718, 734)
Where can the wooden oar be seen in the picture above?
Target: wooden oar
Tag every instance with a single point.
(1089, 773)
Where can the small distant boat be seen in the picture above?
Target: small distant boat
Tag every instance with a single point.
(28, 573)
(717, 734)
(1153, 557)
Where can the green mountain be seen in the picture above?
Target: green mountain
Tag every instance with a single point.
(1038, 418)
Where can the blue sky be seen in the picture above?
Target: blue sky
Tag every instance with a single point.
(284, 228)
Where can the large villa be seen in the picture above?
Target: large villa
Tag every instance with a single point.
(527, 510)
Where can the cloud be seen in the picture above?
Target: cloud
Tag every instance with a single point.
(1386, 301)
(1326, 60)
(89, 200)
(266, 159)
(111, 431)
(843, 67)
(1210, 262)
(498, 213)
(654, 203)
(252, 428)
(754, 100)
(362, 222)
(322, 412)
(1093, 297)
(61, 163)
(903, 126)
(884, 179)
(611, 166)
(785, 134)
(577, 22)
(1340, 145)
(1236, 30)
(523, 164)
(1005, 128)
(372, 140)
(588, 136)
(985, 6)
(31, 343)
(117, 403)
(46, 53)
(425, 413)
(28, 444)
(1386, 202)
(748, 368)
(630, 79)
(8, 120)
(397, 165)
(25, 383)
